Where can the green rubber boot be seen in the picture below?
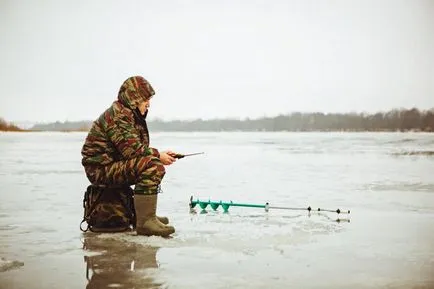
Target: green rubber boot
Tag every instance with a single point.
(147, 222)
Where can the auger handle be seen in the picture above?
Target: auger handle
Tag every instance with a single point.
(339, 211)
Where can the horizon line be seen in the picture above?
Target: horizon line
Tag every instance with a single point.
(237, 118)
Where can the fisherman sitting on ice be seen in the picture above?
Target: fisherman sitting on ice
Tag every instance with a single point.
(116, 152)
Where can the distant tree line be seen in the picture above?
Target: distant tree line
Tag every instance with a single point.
(6, 126)
(394, 120)
(63, 126)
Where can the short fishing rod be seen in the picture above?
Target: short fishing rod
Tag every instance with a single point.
(226, 205)
(180, 156)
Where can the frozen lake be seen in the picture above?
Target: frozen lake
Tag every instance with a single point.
(385, 179)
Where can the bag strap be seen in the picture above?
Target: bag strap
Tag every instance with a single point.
(91, 209)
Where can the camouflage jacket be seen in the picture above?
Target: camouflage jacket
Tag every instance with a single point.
(120, 133)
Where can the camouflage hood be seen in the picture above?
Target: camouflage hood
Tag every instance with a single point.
(134, 90)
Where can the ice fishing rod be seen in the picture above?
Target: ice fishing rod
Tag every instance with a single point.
(180, 156)
(226, 205)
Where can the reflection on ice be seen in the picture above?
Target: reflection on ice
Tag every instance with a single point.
(112, 262)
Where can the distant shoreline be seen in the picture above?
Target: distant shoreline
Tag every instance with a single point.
(230, 131)
(395, 120)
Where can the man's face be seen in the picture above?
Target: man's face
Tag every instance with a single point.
(143, 106)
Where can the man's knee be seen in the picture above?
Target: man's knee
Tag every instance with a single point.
(159, 168)
(152, 167)
(150, 178)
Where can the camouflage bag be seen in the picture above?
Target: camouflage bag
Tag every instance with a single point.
(108, 209)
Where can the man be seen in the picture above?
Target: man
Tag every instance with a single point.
(117, 152)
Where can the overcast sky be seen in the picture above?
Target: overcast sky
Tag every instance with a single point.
(65, 60)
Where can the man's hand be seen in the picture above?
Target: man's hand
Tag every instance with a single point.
(167, 158)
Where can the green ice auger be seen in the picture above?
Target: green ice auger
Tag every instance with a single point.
(226, 205)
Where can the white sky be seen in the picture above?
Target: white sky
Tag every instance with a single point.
(65, 60)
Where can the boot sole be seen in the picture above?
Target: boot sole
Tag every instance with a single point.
(155, 233)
